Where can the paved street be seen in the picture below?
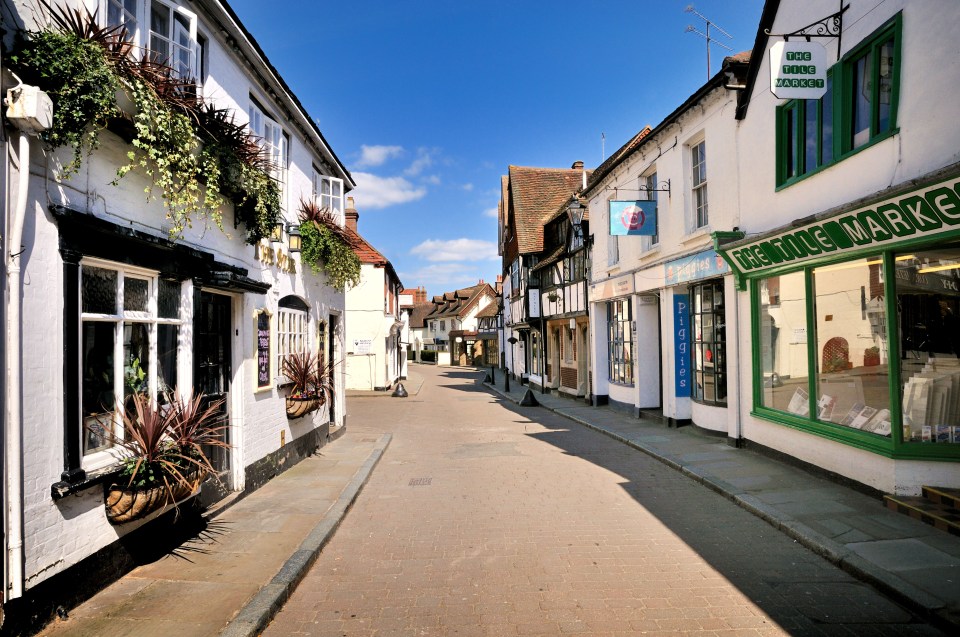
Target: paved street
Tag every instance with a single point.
(483, 518)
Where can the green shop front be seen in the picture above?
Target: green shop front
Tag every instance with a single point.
(855, 333)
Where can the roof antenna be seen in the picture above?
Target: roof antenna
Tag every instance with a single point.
(603, 147)
(691, 29)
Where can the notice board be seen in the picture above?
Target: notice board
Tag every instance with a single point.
(261, 325)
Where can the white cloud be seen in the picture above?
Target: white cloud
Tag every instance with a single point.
(456, 250)
(468, 187)
(445, 276)
(492, 212)
(433, 180)
(424, 160)
(377, 155)
(380, 192)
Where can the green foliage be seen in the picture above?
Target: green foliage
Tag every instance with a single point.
(194, 154)
(79, 79)
(325, 251)
(167, 150)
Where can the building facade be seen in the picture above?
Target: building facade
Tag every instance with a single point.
(133, 299)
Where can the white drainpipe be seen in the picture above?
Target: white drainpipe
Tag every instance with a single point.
(14, 424)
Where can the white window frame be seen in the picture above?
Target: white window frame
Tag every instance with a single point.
(613, 241)
(700, 214)
(105, 456)
(140, 29)
(271, 137)
(649, 182)
(324, 189)
(293, 337)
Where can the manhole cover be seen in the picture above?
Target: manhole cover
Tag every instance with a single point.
(420, 482)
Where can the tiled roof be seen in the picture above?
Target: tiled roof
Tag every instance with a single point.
(535, 195)
(367, 253)
(489, 311)
(420, 311)
(457, 303)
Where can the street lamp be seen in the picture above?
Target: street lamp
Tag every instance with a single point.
(293, 231)
(575, 212)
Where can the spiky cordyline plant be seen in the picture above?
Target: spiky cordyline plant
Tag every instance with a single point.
(310, 375)
(164, 445)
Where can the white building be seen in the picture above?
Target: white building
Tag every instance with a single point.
(376, 356)
(849, 263)
(658, 310)
(451, 326)
(108, 296)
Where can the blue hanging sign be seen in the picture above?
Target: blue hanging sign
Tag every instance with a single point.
(633, 218)
(681, 344)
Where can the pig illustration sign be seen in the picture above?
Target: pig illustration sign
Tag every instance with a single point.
(633, 217)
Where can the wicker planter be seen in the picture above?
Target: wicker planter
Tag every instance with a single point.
(128, 504)
(297, 407)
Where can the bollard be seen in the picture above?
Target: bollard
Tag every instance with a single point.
(399, 392)
(528, 399)
(506, 380)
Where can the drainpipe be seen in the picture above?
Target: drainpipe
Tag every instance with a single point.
(31, 111)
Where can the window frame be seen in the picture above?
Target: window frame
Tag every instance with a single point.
(272, 139)
(141, 35)
(619, 334)
(317, 184)
(290, 340)
(840, 78)
(650, 187)
(105, 455)
(699, 345)
(699, 191)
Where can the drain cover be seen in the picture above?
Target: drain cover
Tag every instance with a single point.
(420, 482)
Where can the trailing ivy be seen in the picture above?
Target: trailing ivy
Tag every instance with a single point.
(77, 76)
(194, 154)
(325, 251)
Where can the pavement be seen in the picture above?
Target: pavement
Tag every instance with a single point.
(412, 384)
(253, 554)
(907, 560)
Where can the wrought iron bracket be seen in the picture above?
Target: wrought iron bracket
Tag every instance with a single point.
(828, 27)
(663, 186)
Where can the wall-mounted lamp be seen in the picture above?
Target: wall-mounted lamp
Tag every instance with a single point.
(293, 231)
(276, 233)
(575, 213)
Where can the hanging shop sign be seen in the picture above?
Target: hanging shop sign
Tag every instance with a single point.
(681, 345)
(929, 211)
(694, 267)
(261, 327)
(798, 70)
(633, 218)
(533, 302)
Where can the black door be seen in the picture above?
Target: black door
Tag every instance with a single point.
(331, 369)
(212, 363)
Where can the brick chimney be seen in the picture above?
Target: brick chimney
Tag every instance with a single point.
(351, 215)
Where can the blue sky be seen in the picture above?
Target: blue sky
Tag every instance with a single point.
(427, 102)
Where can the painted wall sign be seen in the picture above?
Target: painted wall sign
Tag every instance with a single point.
(694, 267)
(798, 70)
(681, 345)
(362, 346)
(620, 286)
(633, 218)
(261, 324)
(926, 212)
(268, 255)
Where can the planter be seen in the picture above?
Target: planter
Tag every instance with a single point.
(128, 504)
(298, 407)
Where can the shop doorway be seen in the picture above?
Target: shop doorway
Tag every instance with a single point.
(212, 368)
(583, 362)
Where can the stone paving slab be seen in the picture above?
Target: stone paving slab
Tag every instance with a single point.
(251, 552)
(908, 560)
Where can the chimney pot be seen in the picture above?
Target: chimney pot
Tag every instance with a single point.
(350, 215)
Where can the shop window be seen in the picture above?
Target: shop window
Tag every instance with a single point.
(709, 343)
(293, 328)
(620, 342)
(859, 107)
(698, 190)
(130, 333)
(928, 299)
(852, 385)
(783, 343)
(534, 353)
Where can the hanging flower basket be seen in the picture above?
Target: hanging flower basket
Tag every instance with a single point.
(298, 407)
(128, 504)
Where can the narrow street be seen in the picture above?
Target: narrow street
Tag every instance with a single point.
(487, 519)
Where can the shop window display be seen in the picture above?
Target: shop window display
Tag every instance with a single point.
(709, 344)
(928, 302)
(852, 382)
(783, 343)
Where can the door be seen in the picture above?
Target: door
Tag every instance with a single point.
(333, 367)
(212, 370)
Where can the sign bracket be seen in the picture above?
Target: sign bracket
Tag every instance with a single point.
(830, 26)
(663, 186)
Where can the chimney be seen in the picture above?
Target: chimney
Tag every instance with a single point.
(577, 165)
(351, 215)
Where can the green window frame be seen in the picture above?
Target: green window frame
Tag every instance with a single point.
(808, 420)
(859, 109)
